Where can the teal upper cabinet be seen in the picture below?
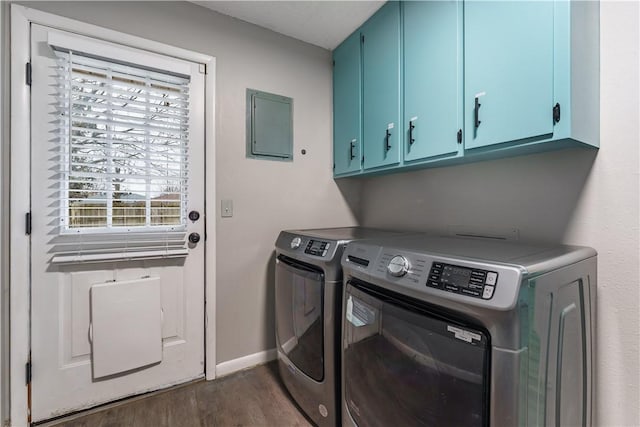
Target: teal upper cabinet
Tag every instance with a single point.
(509, 47)
(436, 83)
(432, 78)
(381, 87)
(347, 106)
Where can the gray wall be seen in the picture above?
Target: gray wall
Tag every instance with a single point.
(268, 196)
(576, 196)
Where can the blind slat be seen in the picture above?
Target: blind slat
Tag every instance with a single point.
(121, 256)
(75, 88)
(181, 115)
(84, 70)
(131, 134)
(101, 101)
(127, 116)
(98, 163)
(152, 144)
(165, 130)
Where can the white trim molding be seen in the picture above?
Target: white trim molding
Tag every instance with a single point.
(21, 19)
(235, 365)
(19, 205)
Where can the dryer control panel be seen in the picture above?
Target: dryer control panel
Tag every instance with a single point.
(317, 247)
(463, 280)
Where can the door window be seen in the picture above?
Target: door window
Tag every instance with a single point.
(123, 133)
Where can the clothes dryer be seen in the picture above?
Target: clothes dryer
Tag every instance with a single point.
(308, 299)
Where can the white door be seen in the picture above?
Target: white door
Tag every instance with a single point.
(117, 166)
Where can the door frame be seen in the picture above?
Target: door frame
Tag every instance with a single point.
(20, 188)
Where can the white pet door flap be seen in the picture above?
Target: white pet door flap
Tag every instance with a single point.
(126, 322)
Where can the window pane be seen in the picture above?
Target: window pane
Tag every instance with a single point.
(124, 135)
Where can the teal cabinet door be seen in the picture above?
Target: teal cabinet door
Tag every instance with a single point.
(508, 54)
(347, 106)
(381, 87)
(432, 78)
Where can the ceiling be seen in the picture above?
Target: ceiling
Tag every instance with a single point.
(321, 23)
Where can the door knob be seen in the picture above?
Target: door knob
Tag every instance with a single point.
(194, 237)
(194, 215)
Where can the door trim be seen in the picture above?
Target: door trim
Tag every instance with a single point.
(20, 188)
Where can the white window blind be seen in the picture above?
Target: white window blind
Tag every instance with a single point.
(123, 134)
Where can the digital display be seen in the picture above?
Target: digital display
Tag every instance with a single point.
(316, 245)
(456, 276)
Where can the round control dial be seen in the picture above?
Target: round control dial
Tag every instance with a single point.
(398, 266)
(295, 243)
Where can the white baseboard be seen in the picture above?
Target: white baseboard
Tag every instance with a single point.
(244, 362)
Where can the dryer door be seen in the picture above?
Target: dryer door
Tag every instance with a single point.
(299, 315)
(406, 365)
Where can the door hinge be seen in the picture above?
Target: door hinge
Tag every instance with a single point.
(362, 161)
(334, 63)
(334, 166)
(362, 38)
(28, 73)
(459, 136)
(27, 372)
(556, 113)
(27, 223)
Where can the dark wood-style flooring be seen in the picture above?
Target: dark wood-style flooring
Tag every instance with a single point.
(255, 397)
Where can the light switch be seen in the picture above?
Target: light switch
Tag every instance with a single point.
(227, 208)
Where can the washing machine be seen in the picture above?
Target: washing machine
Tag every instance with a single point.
(308, 301)
(445, 331)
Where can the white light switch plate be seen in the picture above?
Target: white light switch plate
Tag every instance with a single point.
(227, 208)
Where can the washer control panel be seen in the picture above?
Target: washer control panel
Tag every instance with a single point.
(435, 277)
(317, 247)
(463, 280)
(398, 266)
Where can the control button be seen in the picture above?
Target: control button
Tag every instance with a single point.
(398, 266)
(437, 265)
(488, 292)
(451, 288)
(478, 286)
(476, 280)
(295, 243)
(436, 271)
(478, 273)
(324, 253)
(433, 284)
(471, 292)
(434, 277)
(491, 278)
